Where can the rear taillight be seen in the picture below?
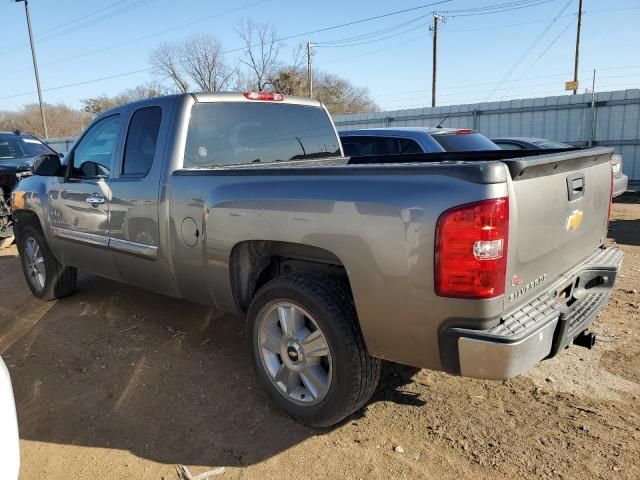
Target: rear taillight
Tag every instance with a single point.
(471, 250)
(265, 96)
(464, 131)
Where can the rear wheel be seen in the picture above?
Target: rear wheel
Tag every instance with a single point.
(308, 351)
(46, 277)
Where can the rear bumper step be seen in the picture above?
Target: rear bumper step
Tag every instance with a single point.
(540, 328)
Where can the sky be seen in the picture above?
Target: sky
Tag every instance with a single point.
(522, 49)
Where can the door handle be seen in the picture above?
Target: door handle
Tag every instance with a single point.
(576, 185)
(95, 200)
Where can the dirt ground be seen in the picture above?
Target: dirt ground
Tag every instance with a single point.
(119, 383)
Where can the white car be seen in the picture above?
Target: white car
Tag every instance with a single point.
(9, 440)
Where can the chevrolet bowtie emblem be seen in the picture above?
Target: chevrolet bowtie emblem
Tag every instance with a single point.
(574, 220)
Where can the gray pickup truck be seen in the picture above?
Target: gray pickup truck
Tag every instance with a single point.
(476, 263)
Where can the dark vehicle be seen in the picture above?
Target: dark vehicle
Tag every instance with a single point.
(620, 180)
(17, 152)
(528, 143)
(404, 140)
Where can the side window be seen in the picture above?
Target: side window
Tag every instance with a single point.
(142, 138)
(409, 146)
(386, 146)
(93, 156)
(509, 146)
(358, 146)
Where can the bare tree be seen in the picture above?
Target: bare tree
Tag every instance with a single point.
(165, 61)
(262, 48)
(198, 60)
(203, 61)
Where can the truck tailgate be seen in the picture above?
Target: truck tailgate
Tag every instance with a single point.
(559, 207)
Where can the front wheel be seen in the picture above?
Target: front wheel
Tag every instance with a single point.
(308, 351)
(46, 277)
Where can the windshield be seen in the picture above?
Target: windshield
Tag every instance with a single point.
(229, 133)
(14, 146)
(550, 144)
(464, 142)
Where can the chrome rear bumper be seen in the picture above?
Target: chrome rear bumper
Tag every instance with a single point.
(540, 328)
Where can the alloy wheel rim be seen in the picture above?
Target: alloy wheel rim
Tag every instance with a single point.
(36, 271)
(295, 353)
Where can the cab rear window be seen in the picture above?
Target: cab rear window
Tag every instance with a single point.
(464, 142)
(231, 133)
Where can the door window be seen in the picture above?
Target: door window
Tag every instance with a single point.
(509, 146)
(362, 145)
(93, 156)
(142, 138)
(409, 146)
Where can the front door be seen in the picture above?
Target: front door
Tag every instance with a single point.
(79, 214)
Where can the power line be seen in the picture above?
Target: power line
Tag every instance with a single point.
(69, 85)
(368, 42)
(508, 25)
(83, 18)
(324, 29)
(5, 47)
(342, 25)
(494, 6)
(497, 9)
(86, 24)
(99, 19)
(375, 33)
(542, 54)
(531, 46)
(145, 37)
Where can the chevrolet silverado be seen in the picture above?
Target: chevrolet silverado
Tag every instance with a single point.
(476, 263)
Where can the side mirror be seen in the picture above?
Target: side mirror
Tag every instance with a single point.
(48, 166)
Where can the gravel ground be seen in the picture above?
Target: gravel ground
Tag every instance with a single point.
(115, 382)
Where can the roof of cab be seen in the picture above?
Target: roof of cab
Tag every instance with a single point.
(205, 97)
(522, 139)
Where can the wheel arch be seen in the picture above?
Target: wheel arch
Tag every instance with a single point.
(22, 218)
(252, 263)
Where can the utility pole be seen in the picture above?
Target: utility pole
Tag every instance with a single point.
(434, 29)
(575, 65)
(309, 69)
(35, 67)
(592, 135)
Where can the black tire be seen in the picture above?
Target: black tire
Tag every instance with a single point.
(60, 281)
(355, 373)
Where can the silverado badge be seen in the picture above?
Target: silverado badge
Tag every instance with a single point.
(526, 287)
(574, 220)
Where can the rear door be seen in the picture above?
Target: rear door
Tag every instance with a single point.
(135, 186)
(79, 203)
(559, 206)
